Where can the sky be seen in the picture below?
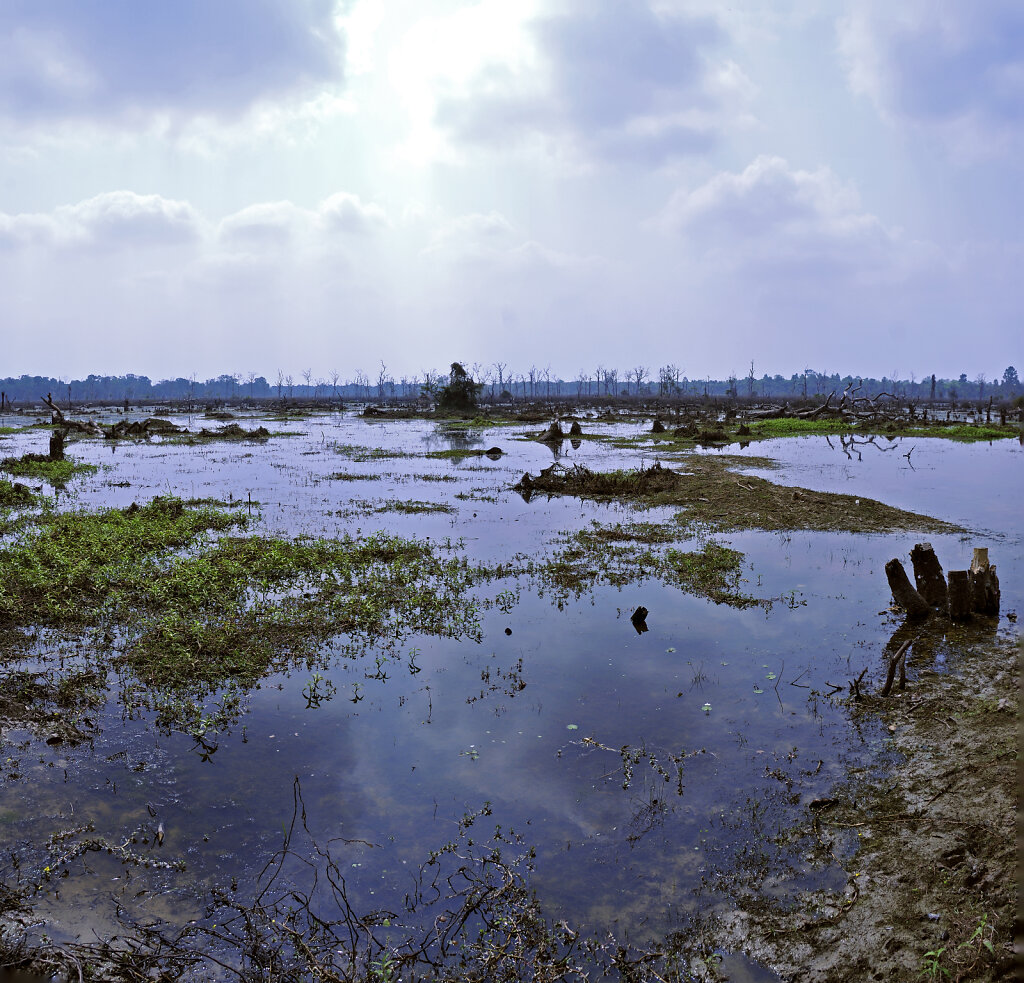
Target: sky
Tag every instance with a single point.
(210, 186)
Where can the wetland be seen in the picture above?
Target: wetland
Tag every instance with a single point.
(333, 696)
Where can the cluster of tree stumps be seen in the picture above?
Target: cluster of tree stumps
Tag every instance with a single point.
(964, 594)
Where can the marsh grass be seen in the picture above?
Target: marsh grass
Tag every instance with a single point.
(413, 507)
(181, 611)
(14, 495)
(41, 468)
(624, 554)
(361, 454)
(796, 426)
(714, 495)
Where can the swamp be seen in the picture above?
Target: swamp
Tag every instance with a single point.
(336, 695)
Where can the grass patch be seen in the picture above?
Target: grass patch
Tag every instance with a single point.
(68, 568)
(717, 497)
(182, 612)
(348, 476)
(459, 453)
(361, 454)
(41, 468)
(14, 495)
(414, 507)
(798, 427)
(251, 604)
(622, 554)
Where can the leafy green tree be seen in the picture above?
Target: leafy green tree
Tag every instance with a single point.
(461, 393)
(1010, 379)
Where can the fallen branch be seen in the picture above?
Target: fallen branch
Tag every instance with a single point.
(899, 659)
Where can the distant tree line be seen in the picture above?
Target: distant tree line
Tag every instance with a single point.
(497, 381)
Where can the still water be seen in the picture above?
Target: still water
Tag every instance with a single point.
(728, 706)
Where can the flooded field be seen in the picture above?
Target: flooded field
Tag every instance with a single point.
(642, 783)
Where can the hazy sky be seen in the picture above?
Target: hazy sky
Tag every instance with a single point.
(217, 186)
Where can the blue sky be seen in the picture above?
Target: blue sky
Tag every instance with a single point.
(262, 184)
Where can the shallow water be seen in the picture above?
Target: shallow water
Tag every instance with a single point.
(738, 692)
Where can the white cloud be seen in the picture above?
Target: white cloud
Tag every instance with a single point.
(953, 68)
(345, 212)
(114, 219)
(771, 216)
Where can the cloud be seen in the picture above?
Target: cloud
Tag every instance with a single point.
(345, 212)
(953, 68)
(114, 219)
(122, 61)
(771, 216)
(607, 81)
(264, 225)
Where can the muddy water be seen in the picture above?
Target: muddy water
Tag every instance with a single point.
(396, 756)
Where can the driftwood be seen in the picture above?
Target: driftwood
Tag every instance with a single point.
(58, 416)
(928, 577)
(58, 419)
(814, 414)
(904, 593)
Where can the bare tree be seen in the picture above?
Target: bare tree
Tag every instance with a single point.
(638, 374)
(750, 380)
(307, 374)
(335, 375)
(533, 380)
(290, 383)
(500, 367)
(381, 376)
(251, 379)
(280, 383)
(581, 381)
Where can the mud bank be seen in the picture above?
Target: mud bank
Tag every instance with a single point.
(932, 886)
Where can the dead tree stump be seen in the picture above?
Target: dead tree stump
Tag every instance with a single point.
(57, 445)
(928, 577)
(904, 594)
(984, 583)
(961, 595)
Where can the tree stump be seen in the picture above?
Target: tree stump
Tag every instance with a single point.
(928, 577)
(961, 595)
(984, 583)
(904, 594)
(57, 445)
